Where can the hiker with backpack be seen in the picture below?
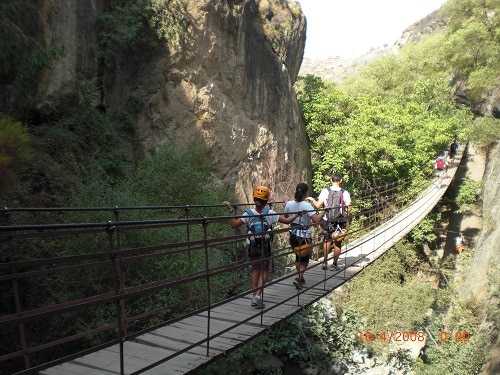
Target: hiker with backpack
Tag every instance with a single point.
(300, 230)
(441, 165)
(453, 152)
(453, 148)
(336, 202)
(259, 222)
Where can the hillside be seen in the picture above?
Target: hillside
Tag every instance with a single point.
(336, 69)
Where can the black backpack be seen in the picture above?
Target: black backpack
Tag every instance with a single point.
(335, 207)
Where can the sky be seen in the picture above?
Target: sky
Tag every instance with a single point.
(349, 28)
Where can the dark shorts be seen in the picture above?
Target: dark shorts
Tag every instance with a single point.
(259, 250)
(327, 232)
(297, 241)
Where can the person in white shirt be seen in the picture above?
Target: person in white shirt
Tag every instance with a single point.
(337, 203)
(300, 230)
(259, 222)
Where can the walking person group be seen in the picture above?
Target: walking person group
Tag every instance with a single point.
(300, 214)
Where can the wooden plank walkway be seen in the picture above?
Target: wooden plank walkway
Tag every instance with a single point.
(168, 340)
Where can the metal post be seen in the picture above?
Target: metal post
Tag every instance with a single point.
(6, 215)
(119, 284)
(20, 326)
(322, 244)
(205, 241)
(346, 242)
(261, 268)
(236, 253)
(189, 253)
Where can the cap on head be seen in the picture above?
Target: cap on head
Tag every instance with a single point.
(261, 192)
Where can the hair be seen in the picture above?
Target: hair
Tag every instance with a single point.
(301, 191)
(336, 178)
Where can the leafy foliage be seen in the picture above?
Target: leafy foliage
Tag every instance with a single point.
(15, 149)
(130, 25)
(472, 48)
(377, 137)
(468, 194)
(23, 56)
(390, 296)
(318, 336)
(485, 130)
(425, 232)
(455, 356)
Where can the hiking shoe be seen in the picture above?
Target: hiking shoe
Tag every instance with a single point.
(259, 304)
(253, 303)
(298, 284)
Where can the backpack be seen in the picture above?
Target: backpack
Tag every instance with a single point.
(440, 164)
(258, 225)
(335, 206)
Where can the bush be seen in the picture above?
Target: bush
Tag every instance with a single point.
(318, 336)
(15, 149)
(390, 296)
(468, 194)
(485, 130)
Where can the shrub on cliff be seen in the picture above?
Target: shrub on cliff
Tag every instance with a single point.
(468, 194)
(15, 150)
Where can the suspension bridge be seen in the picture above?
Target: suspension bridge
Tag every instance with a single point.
(203, 309)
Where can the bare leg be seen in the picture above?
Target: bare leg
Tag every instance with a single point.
(302, 267)
(254, 279)
(326, 249)
(337, 249)
(262, 281)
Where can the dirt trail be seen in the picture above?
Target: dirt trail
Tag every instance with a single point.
(468, 224)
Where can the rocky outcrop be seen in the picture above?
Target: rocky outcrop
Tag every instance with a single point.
(67, 28)
(430, 24)
(482, 281)
(227, 83)
(491, 103)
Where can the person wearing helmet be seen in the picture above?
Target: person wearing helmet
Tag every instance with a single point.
(259, 222)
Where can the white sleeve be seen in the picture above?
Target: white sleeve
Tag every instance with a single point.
(245, 218)
(310, 210)
(273, 217)
(323, 196)
(347, 198)
(287, 207)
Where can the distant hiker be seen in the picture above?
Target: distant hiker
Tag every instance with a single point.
(459, 243)
(336, 202)
(441, 165)
(259, 222)
(453, 152)
(300, 230)
(453, 148)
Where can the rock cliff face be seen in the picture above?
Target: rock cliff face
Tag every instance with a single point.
(432, 23)
(482, 282)
(228, 83)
